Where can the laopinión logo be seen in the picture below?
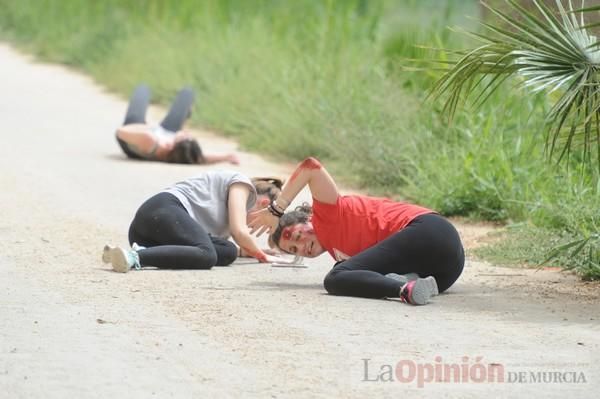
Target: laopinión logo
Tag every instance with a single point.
(469, 370)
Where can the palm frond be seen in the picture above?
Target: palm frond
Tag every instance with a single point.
(547, 51)
(586, 9)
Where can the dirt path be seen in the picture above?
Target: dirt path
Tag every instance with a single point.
(71, 327)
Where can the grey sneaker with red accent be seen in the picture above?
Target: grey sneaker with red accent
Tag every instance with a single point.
(418, 292)
(403, 278)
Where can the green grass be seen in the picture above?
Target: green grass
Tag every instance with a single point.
(327, 78)
(524, 245)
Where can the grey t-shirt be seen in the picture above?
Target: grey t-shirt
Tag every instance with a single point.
(205, 198)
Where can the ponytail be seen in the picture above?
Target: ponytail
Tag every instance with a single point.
(269, 186)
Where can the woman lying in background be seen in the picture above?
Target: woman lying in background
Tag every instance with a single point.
(166, 142)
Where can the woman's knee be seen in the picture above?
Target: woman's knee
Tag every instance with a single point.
(226, 254)
(206, 257)
(330, 281)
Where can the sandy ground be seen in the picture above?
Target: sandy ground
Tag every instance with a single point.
(71, 327)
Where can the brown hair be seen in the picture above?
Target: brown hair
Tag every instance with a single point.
(186, 151)
(269, 186)
(299, 215)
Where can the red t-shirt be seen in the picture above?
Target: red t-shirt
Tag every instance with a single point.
(355, 223)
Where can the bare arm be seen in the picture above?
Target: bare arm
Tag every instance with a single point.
(137, 135)
(311, 172)
(238, 196)
(321, 185)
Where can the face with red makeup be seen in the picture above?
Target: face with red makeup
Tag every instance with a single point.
(300, 239)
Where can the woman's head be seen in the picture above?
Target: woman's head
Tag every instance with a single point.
(295, 234)
(186, 150)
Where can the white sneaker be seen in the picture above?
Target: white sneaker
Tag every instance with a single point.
(136, 247)
(403, 278)
(122, 260)
(106, 253)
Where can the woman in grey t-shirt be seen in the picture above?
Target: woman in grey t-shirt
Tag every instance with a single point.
(186, 226)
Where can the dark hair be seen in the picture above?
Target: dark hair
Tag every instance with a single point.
(301, 214)
(186, 151)
(269, 186)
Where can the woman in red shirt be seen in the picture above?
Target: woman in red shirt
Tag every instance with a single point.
(383, 248)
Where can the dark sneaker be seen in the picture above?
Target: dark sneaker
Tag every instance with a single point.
(418, 292)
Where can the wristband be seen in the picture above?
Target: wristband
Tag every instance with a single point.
(274, 211)
(275, 205)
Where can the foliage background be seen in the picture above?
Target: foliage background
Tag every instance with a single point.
(328, 79)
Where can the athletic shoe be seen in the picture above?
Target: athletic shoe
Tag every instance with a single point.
(106, 253)
(122, 260)
(108, 248)
(403, 278)
(418, 292)
(137, 247)
(408, 277)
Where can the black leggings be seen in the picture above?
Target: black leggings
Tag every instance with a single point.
(428, 246)
(174, 240)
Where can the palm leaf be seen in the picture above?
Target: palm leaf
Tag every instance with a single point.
(546, 51)
(561, 249)
(586, 9)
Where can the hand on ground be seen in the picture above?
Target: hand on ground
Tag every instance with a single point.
(271, 251)
(278, 259)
